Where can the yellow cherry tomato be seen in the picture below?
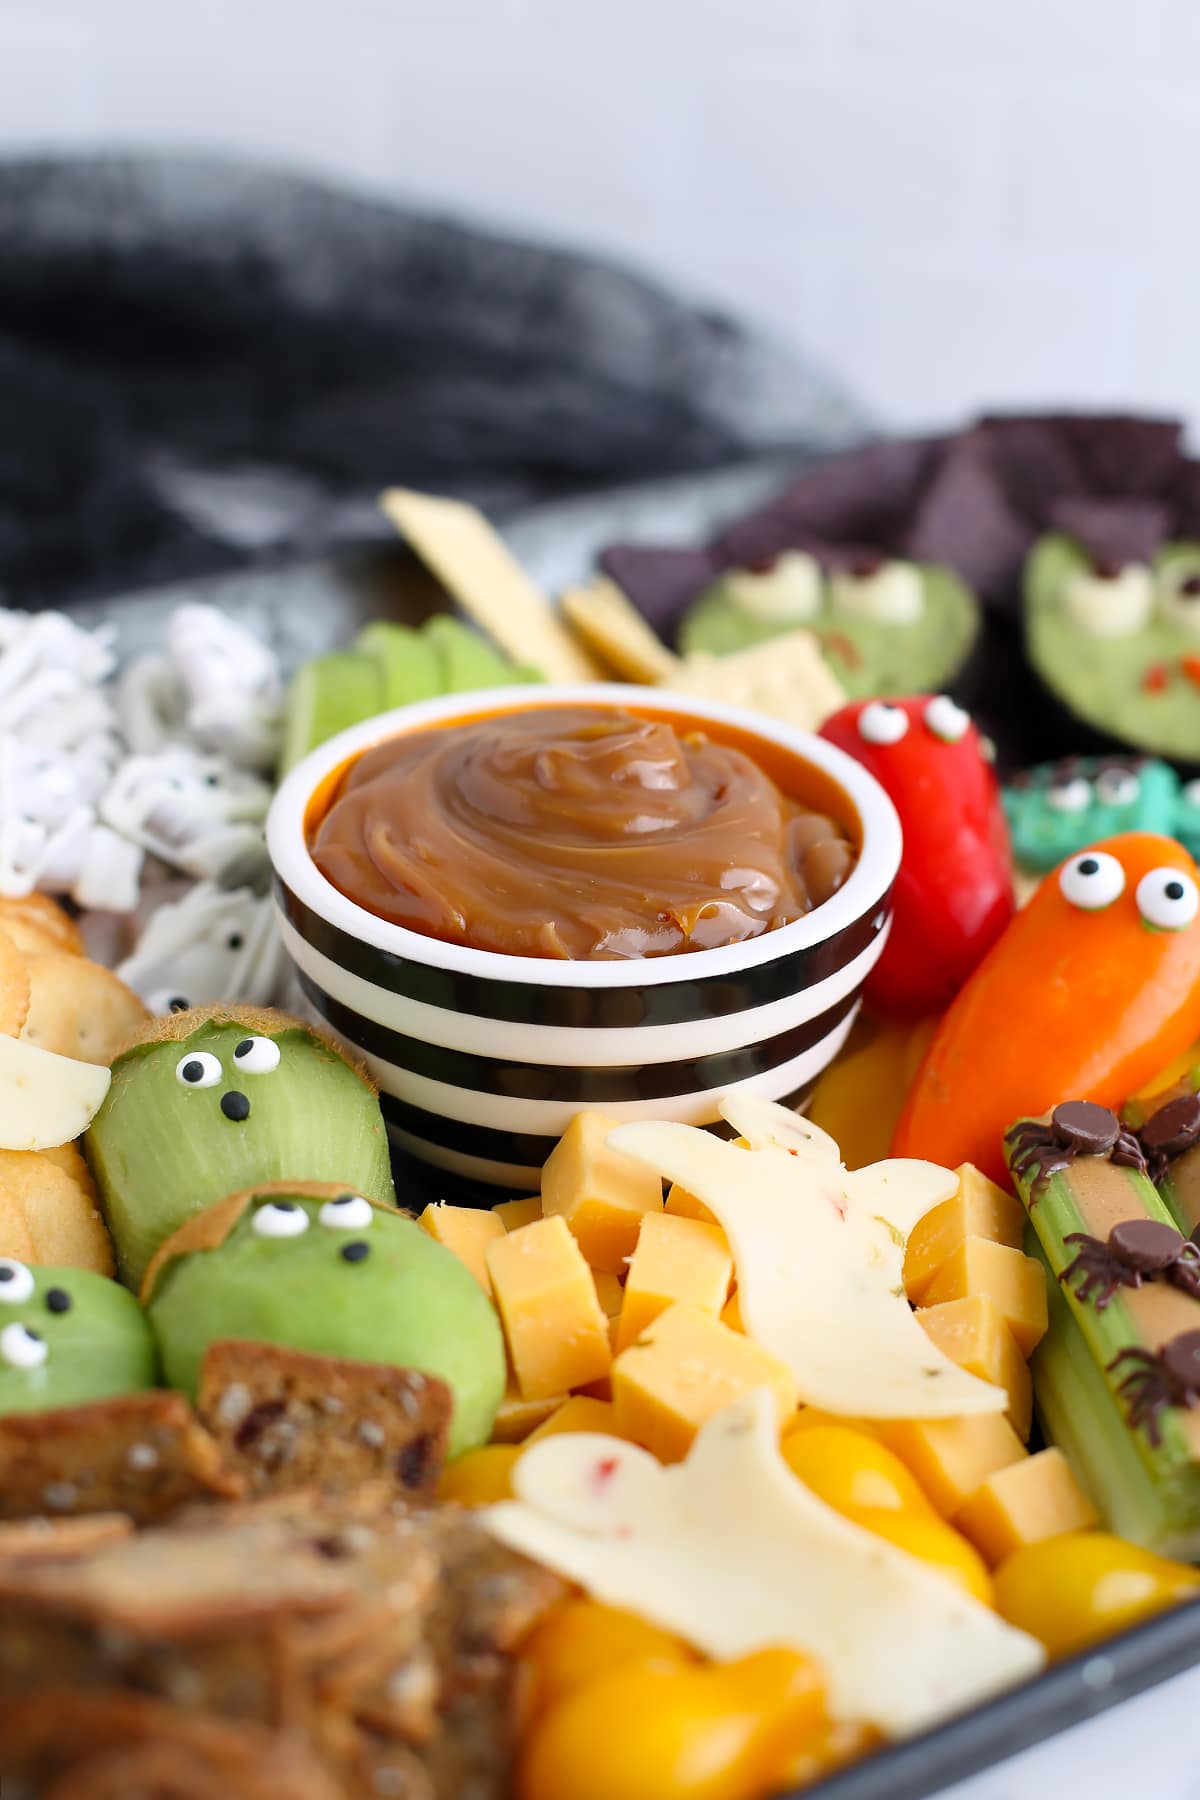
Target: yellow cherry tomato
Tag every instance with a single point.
(720, 1732)
(480, 1477)
(932, 1541)
(832, 1746)
(810, 1418)
(583, 1639)
(1075, 1590)
(851, 1471)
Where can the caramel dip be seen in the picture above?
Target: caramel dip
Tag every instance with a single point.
(575, 832)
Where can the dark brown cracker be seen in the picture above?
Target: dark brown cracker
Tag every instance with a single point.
(288, 1418)
(142, 1454)
(113, 1745)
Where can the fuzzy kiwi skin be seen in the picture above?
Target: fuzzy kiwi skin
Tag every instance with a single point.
(161, 1151)
(399, 1298)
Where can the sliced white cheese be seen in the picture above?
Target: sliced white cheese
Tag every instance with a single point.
(819, 1255)
(1111, 606)
(893, 595)
(730, 1551)
(789, 589)
(45, 1100)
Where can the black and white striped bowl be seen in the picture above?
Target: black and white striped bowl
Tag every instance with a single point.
(482, 1059)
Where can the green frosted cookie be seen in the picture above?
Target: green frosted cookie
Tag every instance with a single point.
(899, 628)
(220, 1099)
(1119, 645)
(313, 1266)
(1059, 808)
(68, 1336)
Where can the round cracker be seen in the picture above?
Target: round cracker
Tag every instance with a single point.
(61, 1216)
(14, 988)
(77, 1008)
(42, 918)
(16, 1239)
(70, 1158)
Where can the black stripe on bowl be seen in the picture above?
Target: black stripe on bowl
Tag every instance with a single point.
(586, 1087)
(509, 1147)
(533, 1003)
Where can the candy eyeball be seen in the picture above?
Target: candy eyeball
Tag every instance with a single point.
(880, 723)
(280, 1219)
(348, 1213)
(1091, 881)
(1167, 899)
(1117, 787)
(946, 720)
(1073, 796)
(167, 1000)
(198, 1070)
(1191, 793)
(22, 1348)
(256, 1056)
(16, 1282)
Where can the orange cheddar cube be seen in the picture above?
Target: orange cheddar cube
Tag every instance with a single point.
(517, 1416)
(512, 1214)
(557, 1333)
(972, 1333)
(466, 1231)
(579, 1413)
(1013, 1282)
(979, 1209)
(602, 1196)
(951, 1458)
(675, 1259)
(683, 1205)
(685, 1368)
(1024, 1503)
(609, 1293)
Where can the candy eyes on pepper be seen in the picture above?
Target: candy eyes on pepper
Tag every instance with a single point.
(1090, 991)
(953, 895)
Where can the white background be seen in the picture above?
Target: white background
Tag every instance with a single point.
(957, 202)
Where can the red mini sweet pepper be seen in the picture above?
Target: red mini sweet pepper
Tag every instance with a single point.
(954, 893)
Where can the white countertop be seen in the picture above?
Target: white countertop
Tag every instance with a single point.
(1150, 1742)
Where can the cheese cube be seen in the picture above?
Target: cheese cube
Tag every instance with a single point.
(467, 1231)
(1015, 1283)
(512, 1214)
(683, 1205)
(979, 1209)
(675, 1259)
(1024, 1503)
(686, 1368)
(731, 1313)
(517, 1416)
(952, 1457)
(972, 1333)
(580, 1413)
(602, 1195)
(609, 1293)
(557, 1334)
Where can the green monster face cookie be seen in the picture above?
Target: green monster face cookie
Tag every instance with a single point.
(319, 1268)
(68, 1336)
(219, 1100)
(884, 628)
(1062, 807)
(1118, 644)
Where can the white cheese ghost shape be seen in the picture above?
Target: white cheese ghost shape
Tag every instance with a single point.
(731, 1551)
(819, 1255)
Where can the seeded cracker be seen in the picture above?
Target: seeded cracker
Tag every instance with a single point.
(286, 1418)
(36, 923)
(141, 1454)
(473, 562)
(14, 988)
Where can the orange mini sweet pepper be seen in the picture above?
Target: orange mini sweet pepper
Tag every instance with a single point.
(1090, 989)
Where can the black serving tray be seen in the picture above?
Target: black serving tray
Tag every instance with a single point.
(305, 609)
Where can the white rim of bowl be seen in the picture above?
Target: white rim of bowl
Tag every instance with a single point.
(870, 879)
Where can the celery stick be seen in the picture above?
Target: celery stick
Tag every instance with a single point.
(1151, 1500)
